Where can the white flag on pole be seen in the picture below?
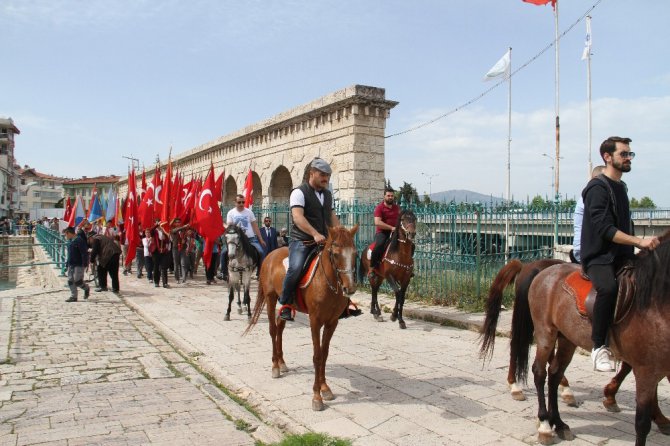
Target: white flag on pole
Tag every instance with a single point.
(586, 54)
(500, 68)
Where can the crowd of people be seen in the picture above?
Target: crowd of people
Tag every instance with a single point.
(164, 254)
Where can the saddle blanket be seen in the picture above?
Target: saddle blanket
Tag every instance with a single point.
(305, 280)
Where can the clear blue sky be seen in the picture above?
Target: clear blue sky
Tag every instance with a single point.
(90, 81)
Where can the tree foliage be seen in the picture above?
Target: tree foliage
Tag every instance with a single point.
(644, 203)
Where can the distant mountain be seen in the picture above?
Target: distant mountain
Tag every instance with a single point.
(462, 196)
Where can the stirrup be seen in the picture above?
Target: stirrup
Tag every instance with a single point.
(289, 306)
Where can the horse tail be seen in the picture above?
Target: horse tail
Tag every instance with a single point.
(258, 308)
(488, 331)
(522, 327)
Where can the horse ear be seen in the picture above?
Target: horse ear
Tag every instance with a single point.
(353, 230)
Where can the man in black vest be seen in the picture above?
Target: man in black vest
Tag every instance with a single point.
(606, 240)
(312, 211)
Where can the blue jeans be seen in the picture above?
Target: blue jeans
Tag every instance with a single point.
(297, 254)
(256, 244)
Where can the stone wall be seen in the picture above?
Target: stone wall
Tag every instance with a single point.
(10, 254)
(346, 128)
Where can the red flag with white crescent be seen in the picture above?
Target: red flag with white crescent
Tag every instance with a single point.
(248, 191)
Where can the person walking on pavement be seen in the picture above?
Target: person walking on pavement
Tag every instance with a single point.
(606, 240)
(177, 232)
(313, 213)
(107, 252)
(386, 218)
(77, 261)
(269, 235)
(148, 247)
(161, 256)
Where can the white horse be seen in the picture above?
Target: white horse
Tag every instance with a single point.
(243, 261)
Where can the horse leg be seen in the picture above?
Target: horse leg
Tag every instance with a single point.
(657, 416)
(543, 351)
(611, 389)
(515, 389)
(239, 302)
(328, 331)
(401, 299)
(374, 304)
(560, 362)
(396, 290)
(317, 358)
(566, 392)
(645, 396)
(231, 297)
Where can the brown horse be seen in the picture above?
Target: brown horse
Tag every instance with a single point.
(396, 266)
(550, 313)
(522, 274)
(325, 298)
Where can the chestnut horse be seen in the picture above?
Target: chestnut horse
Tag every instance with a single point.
(396, 266)
(638, 338)
(522, 274)
(326, 297)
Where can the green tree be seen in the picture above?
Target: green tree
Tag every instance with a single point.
(538, 202)
(644, 203)
(407, 194)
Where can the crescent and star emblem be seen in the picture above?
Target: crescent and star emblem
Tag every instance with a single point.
(204, 192)
(157, 195)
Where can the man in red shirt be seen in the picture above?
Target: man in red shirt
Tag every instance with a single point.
(386, 218)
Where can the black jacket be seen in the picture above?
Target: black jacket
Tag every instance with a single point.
(103, 247)
(606, 210)
(77, 251)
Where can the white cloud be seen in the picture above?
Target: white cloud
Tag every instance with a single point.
(468, 150)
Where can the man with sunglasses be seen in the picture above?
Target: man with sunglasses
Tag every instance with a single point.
(245, 219)
(606, 240)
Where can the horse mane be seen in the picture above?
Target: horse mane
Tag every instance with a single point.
(393, 244)
(245, 244)
(652, 274)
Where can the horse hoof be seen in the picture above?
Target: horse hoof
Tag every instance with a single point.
(394, 317)
(611, 407)
(518, 396)
(565, 434)
(664, 428)
(226, 317)
(545, 438)
(570, 400)
(317, 405)
(402, 325)
(275, 372)
(378, 317)
(327, 395)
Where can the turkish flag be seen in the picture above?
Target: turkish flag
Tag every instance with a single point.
(542, 2)
(143, 190)
(166, 198)
(208, 214)
(248, 191)
(131, 221)
(68, 209)
(193, 219)
(189, 199)
(218, 187)
(177, 205)
(146, 208)
(158, 194)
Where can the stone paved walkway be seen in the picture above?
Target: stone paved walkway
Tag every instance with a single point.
(113, 371)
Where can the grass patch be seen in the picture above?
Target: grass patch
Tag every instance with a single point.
(312, 439)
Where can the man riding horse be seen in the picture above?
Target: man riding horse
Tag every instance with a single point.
(386, 218)
(312, 213)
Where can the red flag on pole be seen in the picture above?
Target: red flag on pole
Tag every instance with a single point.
(210, 222)
(248, 191)
(68, 209)
(166, 198)
(131, 220)
(143, 190)
(146, 208)
(218, 187)
(542, 2)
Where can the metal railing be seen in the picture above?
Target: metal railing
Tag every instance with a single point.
(54, 244)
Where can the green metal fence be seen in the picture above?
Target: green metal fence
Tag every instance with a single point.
(459, 248)
(54, 244)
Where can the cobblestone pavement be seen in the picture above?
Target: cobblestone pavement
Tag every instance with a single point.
(104, 369)
(93, 372)
(420, 386)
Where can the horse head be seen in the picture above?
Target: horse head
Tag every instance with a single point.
(233, 236)
(407, 223)
(342, 253)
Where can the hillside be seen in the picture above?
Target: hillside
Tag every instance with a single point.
(461, 196)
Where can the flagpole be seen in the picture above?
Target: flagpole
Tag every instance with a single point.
(509, 143)
(558, 128)
(588, 92)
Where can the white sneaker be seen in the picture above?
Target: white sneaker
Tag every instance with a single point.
(602, 360)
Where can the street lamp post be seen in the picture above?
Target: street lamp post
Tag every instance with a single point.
(430, 181)
(554, 185)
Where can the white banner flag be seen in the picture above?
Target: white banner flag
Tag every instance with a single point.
(586, 54)
(500, 68)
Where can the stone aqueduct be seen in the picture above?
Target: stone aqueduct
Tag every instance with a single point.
(346, 128)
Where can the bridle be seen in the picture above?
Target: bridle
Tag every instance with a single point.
(405, 239)
(331, 257)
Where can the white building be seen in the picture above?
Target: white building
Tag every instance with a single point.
(9, 194)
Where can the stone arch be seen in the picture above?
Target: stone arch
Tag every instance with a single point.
(230, 191)
(280, 185)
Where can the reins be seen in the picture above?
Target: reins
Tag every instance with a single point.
(331, 257)
(405, 239)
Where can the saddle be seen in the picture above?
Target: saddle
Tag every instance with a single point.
(578, 285)
(306, 276)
